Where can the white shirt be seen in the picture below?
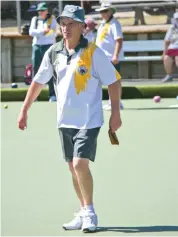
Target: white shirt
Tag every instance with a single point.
(81, 110)
(107, 35)
(172, 36)
(39, 38)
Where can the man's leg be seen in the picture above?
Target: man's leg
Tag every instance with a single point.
(36, 58)
(52, 94)
(85, 182)
(168, 65)
(84, 179)
(176, 61)
(66, 136)
(85, 143)
(76, 184)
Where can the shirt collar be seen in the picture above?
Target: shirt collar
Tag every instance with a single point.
(82, 44)
(110, 19)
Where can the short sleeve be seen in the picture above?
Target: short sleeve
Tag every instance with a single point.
(33, 31)
(45, 71)
(103, 68)
(168, 35)
(116, 30)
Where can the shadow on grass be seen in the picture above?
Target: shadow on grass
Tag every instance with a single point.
(153, 108)
(139, 229)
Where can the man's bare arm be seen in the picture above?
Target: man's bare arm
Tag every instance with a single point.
(115, 91)
(118, 47)
(33, 92)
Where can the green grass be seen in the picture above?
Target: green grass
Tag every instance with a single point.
(135, 184)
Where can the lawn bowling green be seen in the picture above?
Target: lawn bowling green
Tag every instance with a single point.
(135, 183)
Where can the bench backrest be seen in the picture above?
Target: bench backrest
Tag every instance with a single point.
(143, 46)
(138, 4)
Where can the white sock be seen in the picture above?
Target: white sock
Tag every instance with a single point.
(90, 208)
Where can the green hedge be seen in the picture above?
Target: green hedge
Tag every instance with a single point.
(18, 94)
(128, 92)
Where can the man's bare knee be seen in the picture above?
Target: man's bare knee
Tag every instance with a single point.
(71, 168)
(80, 164)
(168, 60)
(176, 61)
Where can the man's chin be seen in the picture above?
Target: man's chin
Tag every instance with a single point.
(67, 36)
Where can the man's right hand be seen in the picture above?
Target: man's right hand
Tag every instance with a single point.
(22, 120)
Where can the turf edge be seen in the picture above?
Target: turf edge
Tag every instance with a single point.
(128, 92)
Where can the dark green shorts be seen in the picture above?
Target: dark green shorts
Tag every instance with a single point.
(79, 143)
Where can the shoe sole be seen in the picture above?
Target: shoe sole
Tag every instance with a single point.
(70, 229)
(86, 230)
(169, 80)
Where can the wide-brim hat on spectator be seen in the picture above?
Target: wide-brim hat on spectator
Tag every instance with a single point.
(175, 16)
(106, 6)
(42, 6)
(76, 13)
(90, 23)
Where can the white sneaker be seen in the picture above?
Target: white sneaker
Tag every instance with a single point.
(52, 98)
(90, 222)
(121, 105)
(75, 224)
(105, 106)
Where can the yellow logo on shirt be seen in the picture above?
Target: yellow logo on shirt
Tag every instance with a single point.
(104, 32)
(49, 21)
(82, 72)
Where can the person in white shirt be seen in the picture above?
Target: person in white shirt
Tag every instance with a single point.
(75, 64)
(110, 38)
(170, 53)
(90, 31)
(43, 31)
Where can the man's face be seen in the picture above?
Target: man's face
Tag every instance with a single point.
(43, 14)
(106, 14)
(70, 29)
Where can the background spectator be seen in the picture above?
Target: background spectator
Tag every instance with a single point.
(90, 31)
(170, 54)
(43, 31)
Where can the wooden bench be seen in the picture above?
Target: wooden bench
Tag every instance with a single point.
(145, 53)
(168, 6)
(143, 47)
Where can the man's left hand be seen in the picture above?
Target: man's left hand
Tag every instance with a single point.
(115, 60)
(46, 31)
(115, 121)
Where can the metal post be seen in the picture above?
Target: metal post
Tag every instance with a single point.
(60, 6)
(82, 4)
(18, 16)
